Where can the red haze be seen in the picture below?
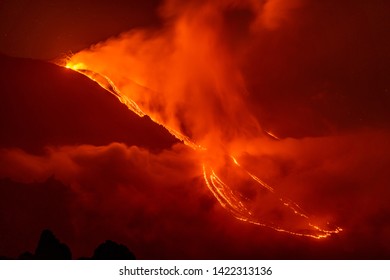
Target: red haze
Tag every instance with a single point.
(314, 74)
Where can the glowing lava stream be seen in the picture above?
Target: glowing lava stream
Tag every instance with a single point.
(108, 85)
(228, 198)
(231, 201)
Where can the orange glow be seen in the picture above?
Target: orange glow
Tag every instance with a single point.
(229, 199)
(185, 79)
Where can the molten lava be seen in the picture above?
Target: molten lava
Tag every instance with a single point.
(187, 78)
(229, 198)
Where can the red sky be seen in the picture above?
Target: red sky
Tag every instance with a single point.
(74, 159)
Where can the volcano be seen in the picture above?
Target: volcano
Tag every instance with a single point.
(76, 160)
(223, 130)
(43, 104)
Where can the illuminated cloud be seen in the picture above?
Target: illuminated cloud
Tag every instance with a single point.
(228, 74)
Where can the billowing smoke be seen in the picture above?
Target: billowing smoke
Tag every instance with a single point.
(187, 75)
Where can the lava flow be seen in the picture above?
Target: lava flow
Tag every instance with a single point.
(230, 198)
(188, 78)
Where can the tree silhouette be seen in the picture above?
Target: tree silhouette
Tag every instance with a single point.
(50, 248)
(110, 250)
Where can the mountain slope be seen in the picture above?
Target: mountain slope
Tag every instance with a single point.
(43, 104)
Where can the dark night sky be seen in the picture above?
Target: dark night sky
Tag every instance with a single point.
(316, 74)
(46, 29)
